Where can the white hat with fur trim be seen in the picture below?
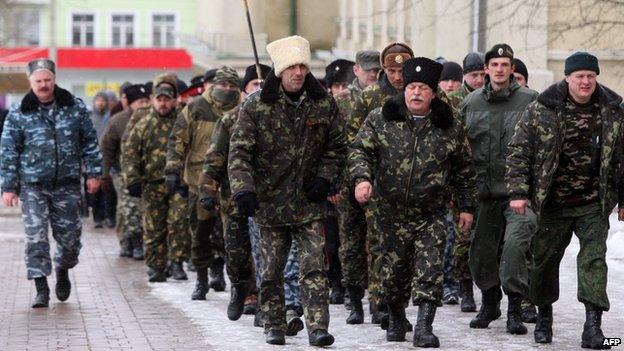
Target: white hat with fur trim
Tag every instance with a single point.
(288, 52)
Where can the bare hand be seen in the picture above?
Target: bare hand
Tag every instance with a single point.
(10, 199)
(465, 221)
(363, 192)
(335, 199)
(519, 206)
(93, 185)
(621, 214)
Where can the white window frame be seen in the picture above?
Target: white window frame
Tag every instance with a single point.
(70, 28)
(135, 28)
(176, 27)
(39, 19)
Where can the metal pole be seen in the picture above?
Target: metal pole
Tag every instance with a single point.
(253, 40)
(52, 52)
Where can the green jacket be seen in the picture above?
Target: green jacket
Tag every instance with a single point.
(279, 146)
(490, 118)
(456, 97)
(536, 145)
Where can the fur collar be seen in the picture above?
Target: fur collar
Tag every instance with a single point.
(441, 114)
(271, 92)
(62, 97)
(557, 94)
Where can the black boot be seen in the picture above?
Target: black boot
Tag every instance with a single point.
(514, 315)
(337, 295)
(63, 285)
(356, 315)
(592, 333)
(156, 275)
(217, 281)
(259, 319)
(275, 337)
(238, 293)
(125, 247)
(176, 269)
(529, 313)
(294, 324)
(543, 325)
(137, 247)
(423, 332)
(467, 297)
(43, 293)
(489, 311)
(396, 323)
(201, 285)
(320, 337)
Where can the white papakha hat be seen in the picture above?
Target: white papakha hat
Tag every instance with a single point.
(289, 51)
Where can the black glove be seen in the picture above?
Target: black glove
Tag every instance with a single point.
(317, 190)
(247, 204)
(172, 183)
(134, 190)
(208, 203)
(183, 191)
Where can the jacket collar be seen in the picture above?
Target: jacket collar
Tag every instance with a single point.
(62, 97)
(499, 95)
(272, 91)
(441, 114)
(385, 84)
(557, 94)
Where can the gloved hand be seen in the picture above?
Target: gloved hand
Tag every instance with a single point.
(317, 190)
(172, 183)
(208, 203)
(106, 183)
(135, 190)
(247, 204)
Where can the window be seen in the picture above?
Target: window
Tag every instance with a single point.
(123, 30)
(27, 23)
(83, 29)
(163, 27)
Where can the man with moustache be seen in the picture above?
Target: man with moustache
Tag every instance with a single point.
(47, 141)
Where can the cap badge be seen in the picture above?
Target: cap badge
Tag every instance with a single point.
(500, 51)
(398, 59)
(418, 69)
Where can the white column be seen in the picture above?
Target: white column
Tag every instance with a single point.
(343, 19)
(370, 36)
(355, 22)
(384, 23)
(400, 20)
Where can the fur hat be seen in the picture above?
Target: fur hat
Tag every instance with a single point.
(135, 92)
(423, 70)
(339, 71)
(288, 52)
(395, 54)
(41, 64)
(251, 74)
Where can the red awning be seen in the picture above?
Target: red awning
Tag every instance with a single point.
(99, 58)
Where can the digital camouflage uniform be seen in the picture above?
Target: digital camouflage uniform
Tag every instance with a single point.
(188, 144)
(164, 216)
(276, 148)
(567, 160)
(413, 164)
(43, 153)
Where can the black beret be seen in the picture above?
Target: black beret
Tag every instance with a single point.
(499, 50)
(581, 60)
(423, 70)
(251, 74)
(520, 67)
(451, 70)
(339, 71)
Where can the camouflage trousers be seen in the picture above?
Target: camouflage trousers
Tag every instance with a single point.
(60, 207)
(450, 283)
(275, 243)
(239, 265)
(353, 250)
(460, 255)
(292, 292)
(166, 235)
(129, 212)
(206, 233)
(549, 244)
(499, 245)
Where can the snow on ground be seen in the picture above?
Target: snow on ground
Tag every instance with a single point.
(451, 325)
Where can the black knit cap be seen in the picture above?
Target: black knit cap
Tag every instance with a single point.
(520, 67)
(423, 70)
(135, 92)
(580, 61)
(339, 71)
(452, 70)
(499, 50)
(251, 74)
(473, 62)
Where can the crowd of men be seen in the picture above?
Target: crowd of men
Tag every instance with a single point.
(310, 192)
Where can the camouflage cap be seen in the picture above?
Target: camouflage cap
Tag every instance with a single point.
(40, 64)
(367, 59)
(165, 90)
(395, 54)
(168, 78)
(227, 74)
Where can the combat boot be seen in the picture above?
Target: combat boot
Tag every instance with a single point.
(467, 296)
(356, 315)
(43, 293)
(529, 313)
(251, 304)
(489, 311)
(423, 332)
(275, 337)
(337, 295)
(320, 337)
(593, 337)
(396, 325)
(514, 315)
(259, 319)
(238, 292)
(201, 285)
(137, 247)
(176, 269)
(125, 247)
(217, 281)
(294, 324)
(156, 275)
(63, 285)
(543, 326)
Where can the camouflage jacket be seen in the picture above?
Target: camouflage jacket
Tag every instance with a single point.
(134, 119)
(490, 118)
(190, 137)
(145, 151)
(414, 164)
(455, 98)
(278, 146)
(111, 141)
(346, 100)
(536, 146)
(48, 146)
